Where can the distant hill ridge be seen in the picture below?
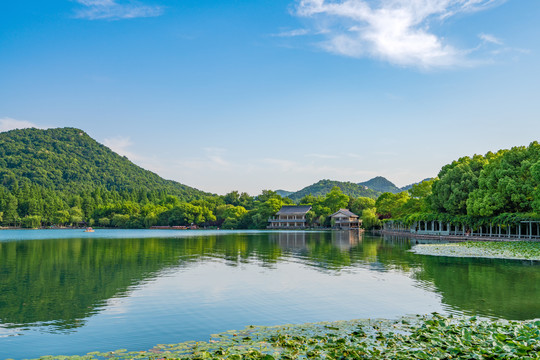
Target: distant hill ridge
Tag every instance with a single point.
(68, 159)
(381, 184)
(371, 188)
(323, 187)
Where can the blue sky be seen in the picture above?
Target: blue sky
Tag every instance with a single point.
(277, 94)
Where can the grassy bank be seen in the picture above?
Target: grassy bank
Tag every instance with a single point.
(519, 250)
(420, 337)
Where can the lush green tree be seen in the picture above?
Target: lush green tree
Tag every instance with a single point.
(104, 221)
(507, 184)
(11, 216)
(335, 200)
(61, 217)
(422, 190)
(360, 204)
(389, 205)
(120, 220)
(370, 219)
(455, 182)
(309, 200)
(31, 222)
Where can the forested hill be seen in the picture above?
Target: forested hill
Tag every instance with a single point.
(69, 160)
(323, 187)
(381, 184)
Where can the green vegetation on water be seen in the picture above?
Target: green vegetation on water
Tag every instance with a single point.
(422, 337)
(521, 250)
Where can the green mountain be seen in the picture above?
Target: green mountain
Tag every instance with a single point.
(70, 161)
(381, 184)
(323, 187)
(284, 193)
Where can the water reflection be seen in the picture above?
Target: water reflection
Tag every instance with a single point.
(496, 288)
(62, 282)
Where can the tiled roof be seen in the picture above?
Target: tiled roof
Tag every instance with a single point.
(293, 210)
(344, 212)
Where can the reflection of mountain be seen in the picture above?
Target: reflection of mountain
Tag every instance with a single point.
(64, 281)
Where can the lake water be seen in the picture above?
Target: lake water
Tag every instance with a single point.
(69, 292)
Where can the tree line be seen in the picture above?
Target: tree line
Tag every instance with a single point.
(501, 187)
(32, 206)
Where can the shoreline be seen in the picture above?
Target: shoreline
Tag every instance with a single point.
(454, 238)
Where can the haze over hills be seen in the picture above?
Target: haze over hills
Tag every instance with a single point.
(69, 160)
(284, 193)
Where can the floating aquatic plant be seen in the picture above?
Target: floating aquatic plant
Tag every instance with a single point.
(522, 250)
(419, 337)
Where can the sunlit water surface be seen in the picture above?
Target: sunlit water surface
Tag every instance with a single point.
(69, 292)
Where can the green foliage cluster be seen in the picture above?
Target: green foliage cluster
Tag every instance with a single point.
(67, 159)
(335, 199)
(33, 206)
(62, 177)
(323, 187)
(505, 182)
(405, 205)
(497, 188)
(428, 337)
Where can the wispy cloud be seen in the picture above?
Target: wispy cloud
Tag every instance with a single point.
(490, 39)
(115, 10)
(322, 156)
(7, 124)
(292, 33)
(396, 31)
(216, 156)
(121, 145)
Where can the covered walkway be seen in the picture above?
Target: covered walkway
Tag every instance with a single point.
(525, 230)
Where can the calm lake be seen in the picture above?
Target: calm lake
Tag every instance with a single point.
(69, 292)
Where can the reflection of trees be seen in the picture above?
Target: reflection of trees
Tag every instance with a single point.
(64, 281)
(507, 289)
(338, 249)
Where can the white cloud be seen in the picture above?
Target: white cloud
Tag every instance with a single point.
(490, 39)
(121, 145)
(7, 124)
(396, 31)
(215, 156)
(113, 10)
(292, 33)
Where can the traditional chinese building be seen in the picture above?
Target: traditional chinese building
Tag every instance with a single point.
(290, 217)
(344, 219)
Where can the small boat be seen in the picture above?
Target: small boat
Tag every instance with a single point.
(88, 229)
